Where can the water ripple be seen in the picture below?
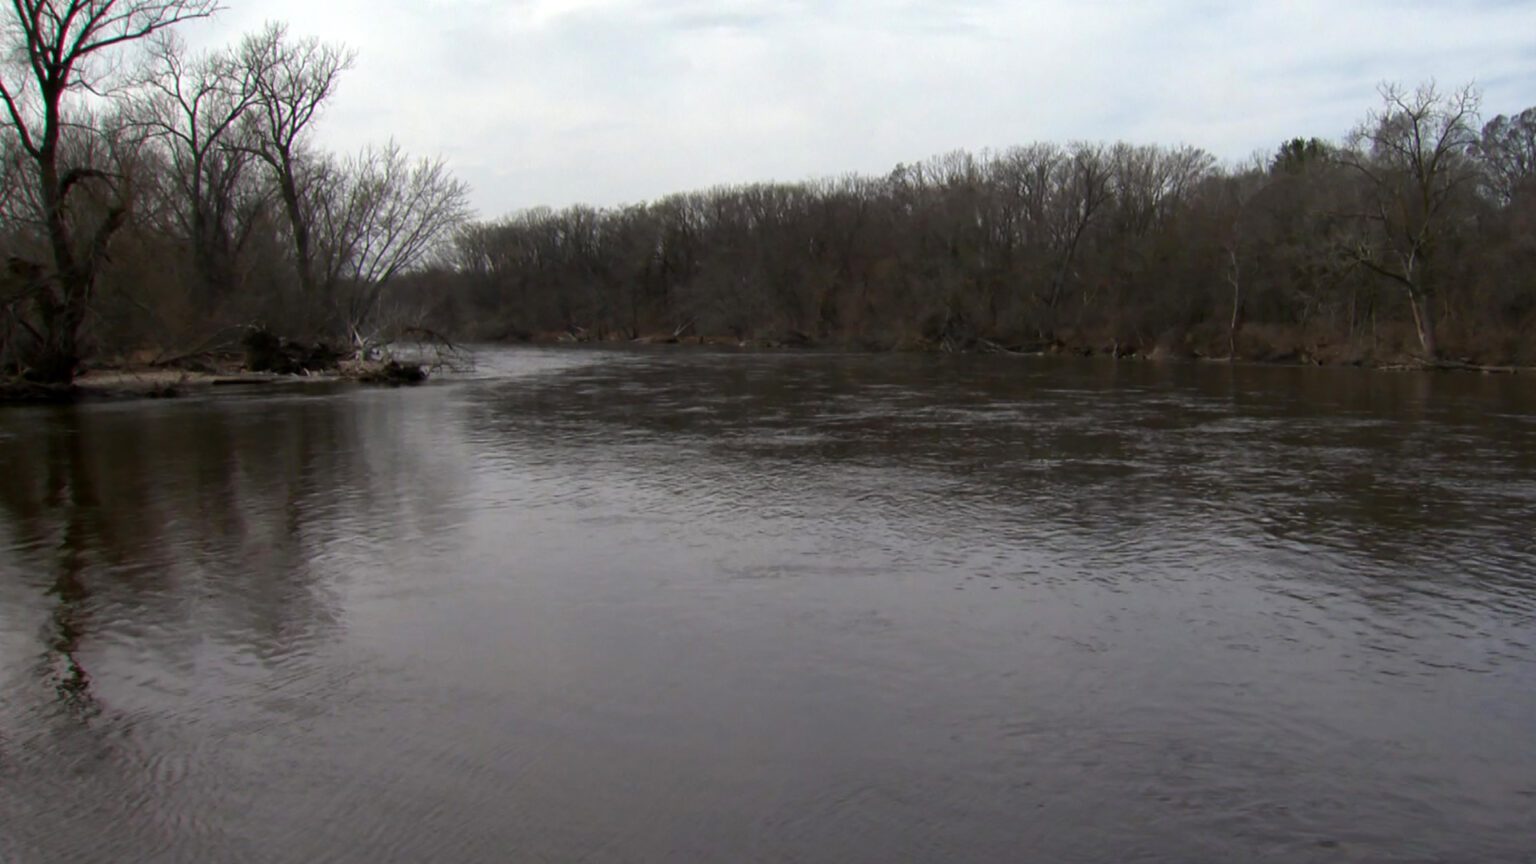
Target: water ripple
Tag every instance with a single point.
(607, 605)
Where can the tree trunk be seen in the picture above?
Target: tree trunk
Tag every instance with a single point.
(63, 311)
(300, 230)
(1234, 276)
(1422, 304)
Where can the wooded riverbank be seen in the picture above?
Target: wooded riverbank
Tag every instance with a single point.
(147, 381)
(1409, 241)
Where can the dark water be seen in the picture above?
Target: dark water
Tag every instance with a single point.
(617, 607)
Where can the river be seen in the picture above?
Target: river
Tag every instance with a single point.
(615, 606)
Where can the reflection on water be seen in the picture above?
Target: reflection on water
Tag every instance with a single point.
(681, 606)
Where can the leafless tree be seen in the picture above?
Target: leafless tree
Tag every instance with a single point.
(56, 51)
(1231, 203)
(1413, 155)
(291, 79)
(378, 215)
(1508, 153)
(194, 106)
(1079, 189)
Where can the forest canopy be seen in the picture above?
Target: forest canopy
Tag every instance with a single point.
(158, 202)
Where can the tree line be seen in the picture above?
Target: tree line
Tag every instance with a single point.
(156, 202)
(1409, 238)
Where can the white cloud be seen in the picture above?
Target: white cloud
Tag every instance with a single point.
(604, 101)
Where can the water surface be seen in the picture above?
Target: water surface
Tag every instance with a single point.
(680, 606)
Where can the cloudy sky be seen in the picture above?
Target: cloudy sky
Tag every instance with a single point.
(554, 102)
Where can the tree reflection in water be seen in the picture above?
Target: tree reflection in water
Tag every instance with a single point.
(169, 529)
(812, 607)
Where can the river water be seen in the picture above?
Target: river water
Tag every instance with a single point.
(612, 606)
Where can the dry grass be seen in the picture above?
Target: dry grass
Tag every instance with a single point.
(131, 382)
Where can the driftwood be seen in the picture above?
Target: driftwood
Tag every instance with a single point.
(31, 391)
(392, 372)
(267, 352)
(1456, 366)
(989, 347)
(209, 355)
(425, 349)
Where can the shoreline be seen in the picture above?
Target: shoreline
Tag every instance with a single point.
(132, 382)
(981, 346)
(124, 382)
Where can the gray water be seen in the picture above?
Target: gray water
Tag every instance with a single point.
(679, 606)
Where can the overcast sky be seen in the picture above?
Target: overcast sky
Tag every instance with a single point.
(555, 102)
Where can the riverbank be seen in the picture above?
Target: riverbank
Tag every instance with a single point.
(1259, 347)
(162, 382)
